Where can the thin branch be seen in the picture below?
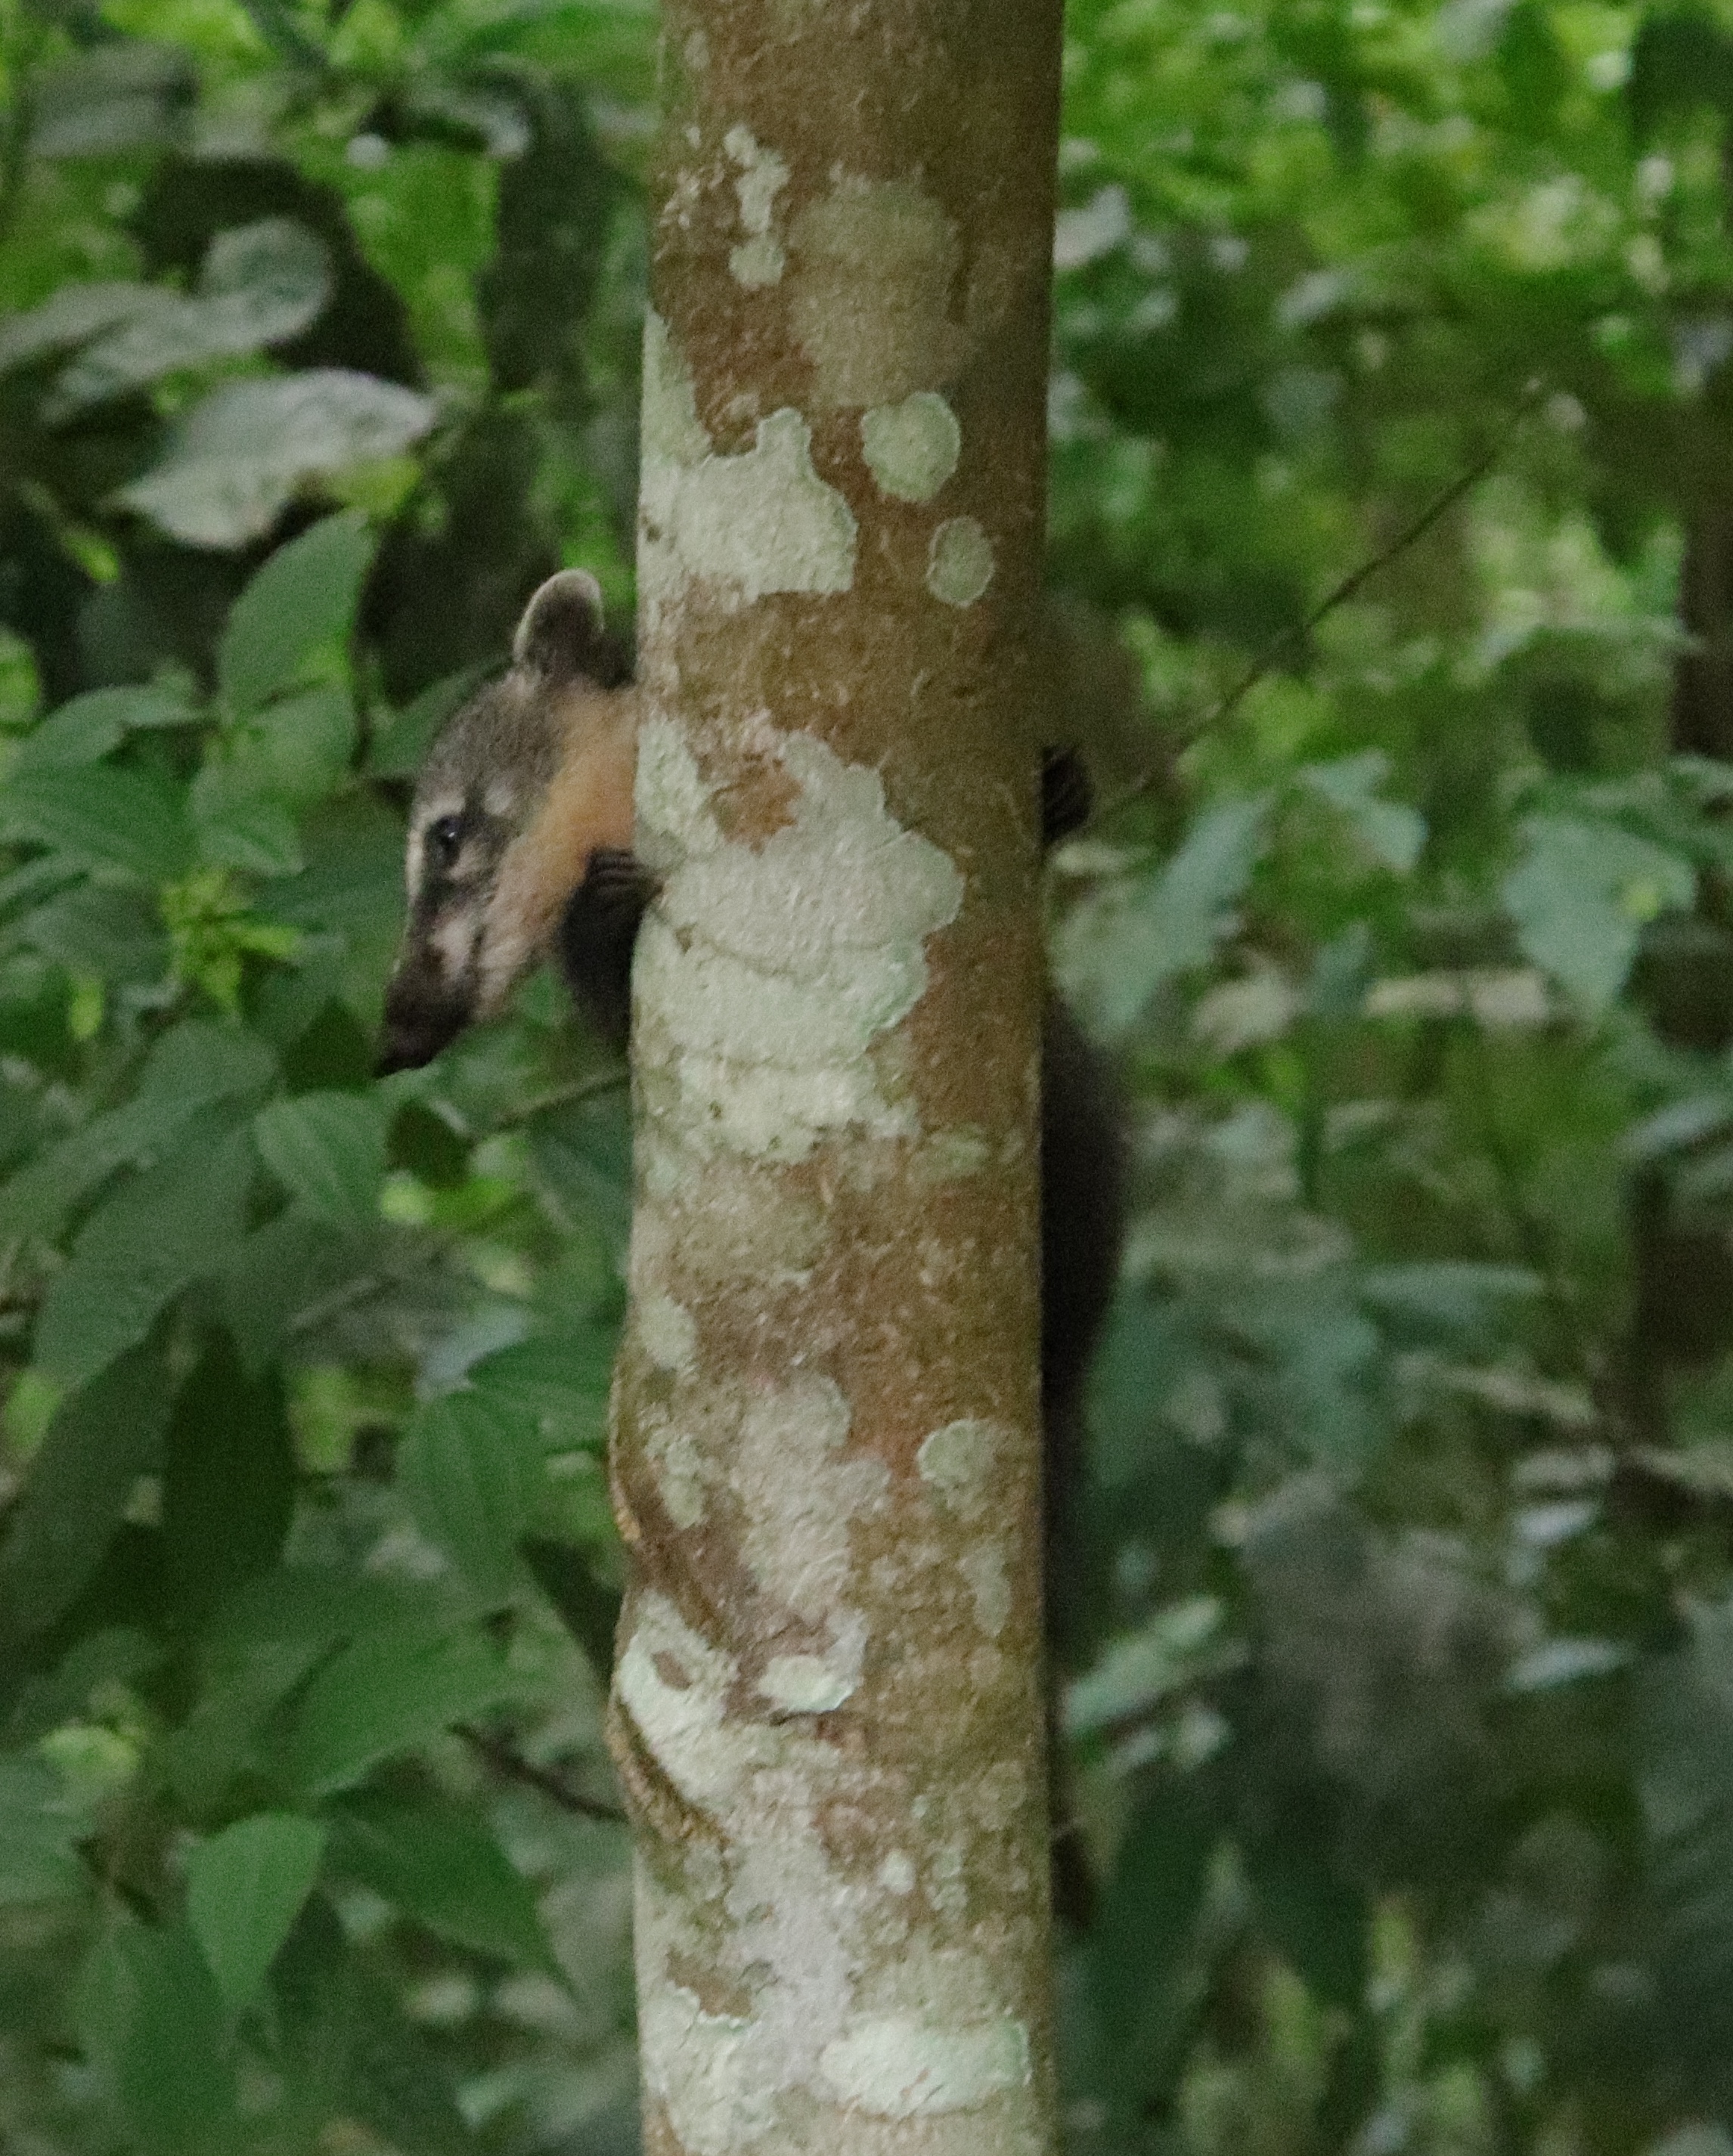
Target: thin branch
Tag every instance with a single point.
(1338, 594)
(565, 1096)
(509, 1763)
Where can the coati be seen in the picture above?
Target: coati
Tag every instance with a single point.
(519, 845)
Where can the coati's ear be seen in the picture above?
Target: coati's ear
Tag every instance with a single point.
(560, 635)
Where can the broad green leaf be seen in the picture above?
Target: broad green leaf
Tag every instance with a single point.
(289, 1268)
(327, 1150)
(245, 1886)
(560, 1385)
(113, 819)
(472, 1471)
(1446, 1300)
(439, 1863)
(300, 745)
(261, 284)
(190, 1068)
(170, 1225)
(151, 2021)
(125, 94)
(84, 730)
(1119, 957)
(1684, 1734)
(228, 1480)
(1313, 1909)
(40, 1826)
(71, 316)
(1393, 833)
(99, 929)
(102, 1439)
(583, 1155)
(296, 613)
(347, 2050)
(1139, 1950)
(1177, 1645)
(241, 822)
(388, 1694)
(237, 457)
(1580, 898)
(588, 1608)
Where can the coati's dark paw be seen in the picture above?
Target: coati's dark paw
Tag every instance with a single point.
(596, 935)
(1067, 796)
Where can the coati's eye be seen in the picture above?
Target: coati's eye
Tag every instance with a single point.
(445, 840)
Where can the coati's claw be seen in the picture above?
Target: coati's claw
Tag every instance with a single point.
(1067, 798)
(596, 935)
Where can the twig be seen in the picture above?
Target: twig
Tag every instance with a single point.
(506, 1760)
(1338, 594)
(565, 1096)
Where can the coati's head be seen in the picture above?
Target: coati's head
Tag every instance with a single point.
(527, 780)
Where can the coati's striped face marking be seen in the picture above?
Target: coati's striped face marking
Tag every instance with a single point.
(527, 780)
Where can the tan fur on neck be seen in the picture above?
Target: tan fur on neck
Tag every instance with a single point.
(588, 806)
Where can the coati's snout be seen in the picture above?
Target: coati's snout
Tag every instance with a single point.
(531, 778)
(422, 1014)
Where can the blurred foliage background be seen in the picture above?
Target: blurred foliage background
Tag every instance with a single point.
(1403, 1715)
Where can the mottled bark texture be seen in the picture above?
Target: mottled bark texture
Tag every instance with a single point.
(827, 1706)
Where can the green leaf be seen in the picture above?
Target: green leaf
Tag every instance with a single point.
(70, 316)
(472, 1471)
(192, 1067)
(228, 1480)
(1448, 1300)
(382, 1695)
(1682, 59)
(262, 283)
(236, 457)
(347, 2050)
(327, 1150)
(241, 822)
(1316, 1915)
(1580, 898)
(589, 1609)
(115, 819)
(87, 728)
(102, 1439)
(1139, 1951)
(1684, 1741)
(559, 1385)
(1171, 924)
(437, 1862)
(152, 2023)
(40, 1827)
(123, 95)
(1392, 833)
(297, 612)
(245, 1886)
(168, 1227)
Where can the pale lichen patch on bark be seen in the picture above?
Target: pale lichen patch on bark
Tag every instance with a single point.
(802, 1493)
(767, 973)
(960, 566)
(873, 267)
(757, 259)
(900, 2067)
(984, 1565)
(669, 1335)
(744, 526)
(957, 1464)
(912, 448)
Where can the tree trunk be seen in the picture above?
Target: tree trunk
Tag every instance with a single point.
(828, 1699)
